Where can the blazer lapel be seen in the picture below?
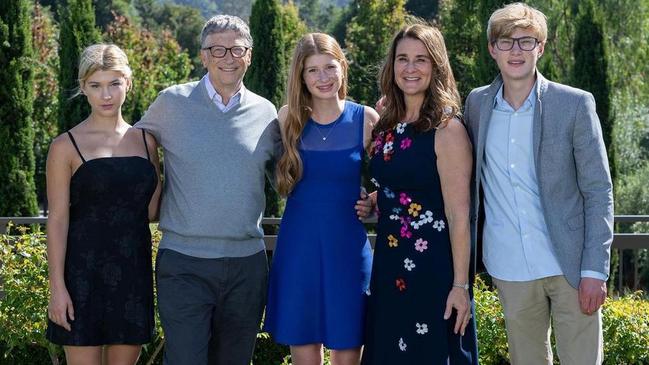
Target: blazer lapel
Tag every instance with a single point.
(537, 126)
(486, 108)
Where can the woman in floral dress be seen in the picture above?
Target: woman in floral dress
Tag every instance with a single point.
(420, 308)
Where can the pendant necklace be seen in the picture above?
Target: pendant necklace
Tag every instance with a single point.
(324, 137)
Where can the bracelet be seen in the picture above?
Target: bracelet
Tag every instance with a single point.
(463, 286)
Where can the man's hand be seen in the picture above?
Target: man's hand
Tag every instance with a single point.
(592, 293)
(365, 205)
(380, 104)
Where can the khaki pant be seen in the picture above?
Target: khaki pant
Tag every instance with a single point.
(528, 306)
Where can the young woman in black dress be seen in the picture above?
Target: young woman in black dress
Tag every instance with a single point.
(102, 188)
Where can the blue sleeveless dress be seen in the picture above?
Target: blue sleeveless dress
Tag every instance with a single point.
(413, 263)
(321, 266)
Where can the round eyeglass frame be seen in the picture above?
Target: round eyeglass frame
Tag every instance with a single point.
(213, 49)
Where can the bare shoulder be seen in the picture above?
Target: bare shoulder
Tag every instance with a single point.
(281, 116)
(371, 115)
(452, 137)
(150, 140)
(61, 146)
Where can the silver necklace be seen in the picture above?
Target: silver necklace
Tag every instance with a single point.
(324, 137)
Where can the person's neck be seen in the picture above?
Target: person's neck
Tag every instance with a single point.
(325, 111)
(413, 106)
(515, 92)
(106, 124)
(226, 92)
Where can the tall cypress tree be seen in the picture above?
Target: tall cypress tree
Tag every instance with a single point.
(78, 31)
(17, 192)
(267, 76)
(590, 70)
(486, 67)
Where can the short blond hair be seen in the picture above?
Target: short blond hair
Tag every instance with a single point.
(504, 22)
(102, 57)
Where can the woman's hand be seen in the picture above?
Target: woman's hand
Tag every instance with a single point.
(60, 308)
(459, 300)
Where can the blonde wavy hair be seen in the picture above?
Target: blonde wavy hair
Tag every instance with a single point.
(442, 100)
(289, 166)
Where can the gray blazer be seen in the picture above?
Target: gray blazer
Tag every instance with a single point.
(571, 167)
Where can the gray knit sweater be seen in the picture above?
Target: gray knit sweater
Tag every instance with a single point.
(214, 163)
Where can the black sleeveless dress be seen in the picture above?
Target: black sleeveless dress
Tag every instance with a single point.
(108, 271)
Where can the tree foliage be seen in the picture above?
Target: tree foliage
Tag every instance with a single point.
(183, 22)
(426, 9)
(267, 73)
(46, 87)
(368, 38)
(156, 59)
(78, 31)
(486, 67)
(591, 67)
(17, 193)
(462, 33)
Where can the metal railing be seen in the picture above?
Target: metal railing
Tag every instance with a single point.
(621, 241)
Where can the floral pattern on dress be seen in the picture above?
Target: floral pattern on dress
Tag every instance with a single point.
(412, 215)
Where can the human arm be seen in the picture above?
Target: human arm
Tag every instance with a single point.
(154, 203)
(594, 181)
(367, 202)
(58, 175)
(454, 163)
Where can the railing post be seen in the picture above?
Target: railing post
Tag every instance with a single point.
(620, 272)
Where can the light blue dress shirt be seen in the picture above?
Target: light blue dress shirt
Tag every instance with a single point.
(517, 245)
(218, 100)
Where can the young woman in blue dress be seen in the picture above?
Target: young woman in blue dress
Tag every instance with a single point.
(321, 267)
(102, 189)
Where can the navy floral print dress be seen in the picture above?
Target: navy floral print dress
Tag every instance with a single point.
(108, 270)
(412, 272)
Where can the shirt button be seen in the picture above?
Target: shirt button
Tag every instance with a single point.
(512, 165)
(513, 140)
(515, 114)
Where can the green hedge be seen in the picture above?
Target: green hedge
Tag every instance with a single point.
(25, 295)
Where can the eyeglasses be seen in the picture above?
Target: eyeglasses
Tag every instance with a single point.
(220, 51)
(524, 43)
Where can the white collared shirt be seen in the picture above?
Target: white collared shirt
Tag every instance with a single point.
(218, 100)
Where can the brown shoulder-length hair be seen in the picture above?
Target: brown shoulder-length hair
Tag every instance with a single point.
(289, 166)
(442, 100)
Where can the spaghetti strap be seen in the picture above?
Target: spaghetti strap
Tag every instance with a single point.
(74, 143)
(146, 147)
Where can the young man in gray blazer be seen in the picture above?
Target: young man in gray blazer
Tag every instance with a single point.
(543, 187)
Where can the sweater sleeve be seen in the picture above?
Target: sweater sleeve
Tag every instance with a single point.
(153, 119)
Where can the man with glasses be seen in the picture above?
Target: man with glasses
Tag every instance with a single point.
(542, 197)
(218, 139)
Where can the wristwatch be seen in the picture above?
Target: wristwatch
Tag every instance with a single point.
(464, 286)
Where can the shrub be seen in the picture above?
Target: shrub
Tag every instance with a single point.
(24, 295)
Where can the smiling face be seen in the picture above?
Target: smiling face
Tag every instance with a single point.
(106, 92)
(516, 64)
(323, 76)
(412, 67)
(226, 73)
